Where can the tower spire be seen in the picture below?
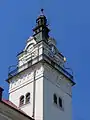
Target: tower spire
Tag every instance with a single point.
(41, 27)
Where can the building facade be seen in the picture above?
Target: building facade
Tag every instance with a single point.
(41, 86)
(8, 111)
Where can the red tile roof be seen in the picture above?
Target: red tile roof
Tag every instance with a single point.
(12, 105)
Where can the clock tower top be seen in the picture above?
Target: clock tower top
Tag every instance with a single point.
(41, 30)
(40, 48)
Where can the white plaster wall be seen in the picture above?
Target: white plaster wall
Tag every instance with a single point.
(24, 84)
(48, 82)
(57, 78)
(39, 100)
(15, 96)
(52, 111)
(55, 82)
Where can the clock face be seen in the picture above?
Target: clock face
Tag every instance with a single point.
(52, 50)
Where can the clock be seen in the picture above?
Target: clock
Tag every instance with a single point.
(52, 50)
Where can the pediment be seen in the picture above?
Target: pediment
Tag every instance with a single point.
(30, 44)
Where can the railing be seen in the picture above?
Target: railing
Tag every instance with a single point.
(60, 68)
(45, 53)
(67, 73)
(13, 73)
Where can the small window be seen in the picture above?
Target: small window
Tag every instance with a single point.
(27, 98)
(21, 100)
(55, 98)
(60, 102)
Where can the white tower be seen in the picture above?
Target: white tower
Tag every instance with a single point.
(40, 86)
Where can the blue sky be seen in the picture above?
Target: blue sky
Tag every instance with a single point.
(69, 21)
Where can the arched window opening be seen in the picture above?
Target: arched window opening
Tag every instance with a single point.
(60, 102)
(27, 98)
(55, 98)
(21, 100)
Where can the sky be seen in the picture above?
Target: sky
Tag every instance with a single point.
(69, 21)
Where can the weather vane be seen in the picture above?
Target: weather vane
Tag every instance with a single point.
(42, 11)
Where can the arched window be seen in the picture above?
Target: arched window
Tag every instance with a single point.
(21, 100)
(55, 98)
(60, 102)
(27, 98)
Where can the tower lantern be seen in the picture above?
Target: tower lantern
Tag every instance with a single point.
(41, 29)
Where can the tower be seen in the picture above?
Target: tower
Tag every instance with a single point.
(40, 85)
